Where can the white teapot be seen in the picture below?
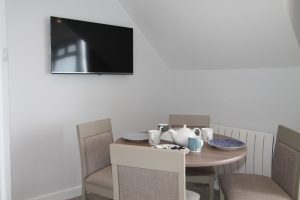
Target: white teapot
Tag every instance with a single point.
(181, 135)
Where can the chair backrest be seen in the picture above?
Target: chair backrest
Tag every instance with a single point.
(286, 161)
(200, 121)
(147, 173)
(94, 140)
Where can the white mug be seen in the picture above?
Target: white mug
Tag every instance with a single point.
(154, 137)
(207, 134)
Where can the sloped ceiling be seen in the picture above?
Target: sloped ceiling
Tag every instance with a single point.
(205, 34)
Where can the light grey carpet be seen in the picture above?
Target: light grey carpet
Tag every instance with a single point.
(203, 190)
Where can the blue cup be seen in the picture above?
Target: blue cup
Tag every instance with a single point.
(195, 144)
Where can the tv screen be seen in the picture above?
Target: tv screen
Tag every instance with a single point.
(86, 47)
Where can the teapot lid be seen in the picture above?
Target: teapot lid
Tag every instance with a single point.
(185, 128)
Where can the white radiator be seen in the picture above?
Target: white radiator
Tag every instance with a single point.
(259, 151)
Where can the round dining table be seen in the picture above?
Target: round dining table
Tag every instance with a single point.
(209, 155)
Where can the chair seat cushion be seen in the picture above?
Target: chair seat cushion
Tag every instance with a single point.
(200, 171)
(190, 195)
(102, 178)
(251, 187)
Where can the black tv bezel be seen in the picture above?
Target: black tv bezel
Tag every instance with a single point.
(97, 73)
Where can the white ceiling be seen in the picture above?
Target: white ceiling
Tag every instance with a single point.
(203, 34)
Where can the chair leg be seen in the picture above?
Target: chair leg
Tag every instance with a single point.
(84, 194)
(211, 188)
(221, 195)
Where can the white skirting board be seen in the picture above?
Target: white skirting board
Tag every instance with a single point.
(61, 195)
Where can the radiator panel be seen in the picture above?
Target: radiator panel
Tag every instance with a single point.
(259, 151)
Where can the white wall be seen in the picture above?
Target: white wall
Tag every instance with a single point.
(45, 108)
(256, 99)
(5, 175)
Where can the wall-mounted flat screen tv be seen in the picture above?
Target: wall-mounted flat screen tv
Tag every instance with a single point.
(87, 47)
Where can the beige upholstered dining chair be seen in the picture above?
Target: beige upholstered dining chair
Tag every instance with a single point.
(94, 140)
(145, 173)
(284, 181)
(204, 175)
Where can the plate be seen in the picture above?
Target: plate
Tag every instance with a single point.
(136, 137)
(172, 147)
(226, 143)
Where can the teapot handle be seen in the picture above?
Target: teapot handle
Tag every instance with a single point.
(160, 128)
(199, 131)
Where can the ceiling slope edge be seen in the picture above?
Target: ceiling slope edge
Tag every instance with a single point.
(217, 35)
(293, 8)
(144, 35)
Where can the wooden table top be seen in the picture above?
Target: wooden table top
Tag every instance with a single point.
(209, 156)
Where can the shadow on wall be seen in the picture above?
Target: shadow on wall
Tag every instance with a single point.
(293, 8)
